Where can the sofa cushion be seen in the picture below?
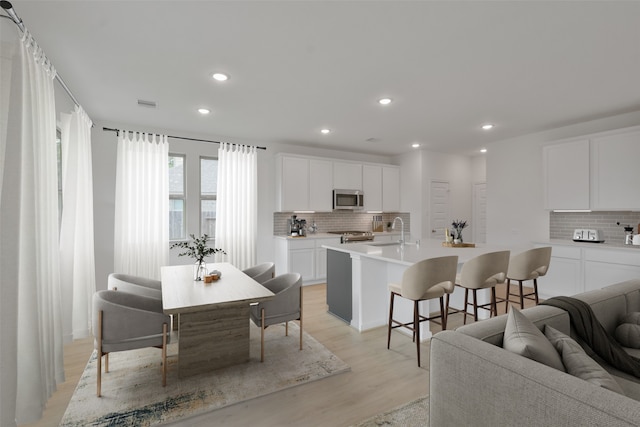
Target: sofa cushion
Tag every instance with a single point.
(522, 337)
(578, 363)
(628, 334)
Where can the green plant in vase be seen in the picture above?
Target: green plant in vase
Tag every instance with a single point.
(198, 250)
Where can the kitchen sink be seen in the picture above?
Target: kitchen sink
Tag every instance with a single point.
(384, 244)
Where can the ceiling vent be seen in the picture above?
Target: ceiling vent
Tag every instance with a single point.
(149, 104)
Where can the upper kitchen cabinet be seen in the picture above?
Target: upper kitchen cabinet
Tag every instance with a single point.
(320, 185)
(303, 184)
(390, 189)
(372, 187)
(347, 176)
(293, 185)
(616, 173)
(566, 175)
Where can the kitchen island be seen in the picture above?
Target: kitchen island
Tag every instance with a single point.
(374, 265)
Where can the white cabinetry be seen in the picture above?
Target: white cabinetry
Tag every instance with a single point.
(372, 187)
(347, 176)
(304, 184)
(320, 185)
(604, 267)
(615, 171)
(390, 189)
(575, 269)
(564, 276)
(294, 183)
(566, 174)
(303, 255)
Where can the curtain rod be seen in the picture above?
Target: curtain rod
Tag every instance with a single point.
(8, 7)
(117, 131)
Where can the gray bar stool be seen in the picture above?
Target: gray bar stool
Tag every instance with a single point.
(528, 265)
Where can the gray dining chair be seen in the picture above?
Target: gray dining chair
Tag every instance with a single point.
(125, 321)
(285, 306)
(135, 285)
(261, 272)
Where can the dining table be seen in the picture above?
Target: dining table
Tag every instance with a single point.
(213, 318)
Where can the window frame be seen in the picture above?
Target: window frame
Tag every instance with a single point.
(183, 196)
(202, 196)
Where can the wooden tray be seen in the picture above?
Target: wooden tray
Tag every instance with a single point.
(458, 245)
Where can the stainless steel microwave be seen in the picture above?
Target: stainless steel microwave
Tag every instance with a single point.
(348, 200)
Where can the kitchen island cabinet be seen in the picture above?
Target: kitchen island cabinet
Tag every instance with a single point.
(374, 267)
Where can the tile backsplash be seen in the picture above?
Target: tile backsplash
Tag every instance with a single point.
(337, 221)
(562, 224)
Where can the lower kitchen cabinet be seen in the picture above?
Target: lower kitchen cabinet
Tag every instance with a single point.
(304, 255)
(575, 269)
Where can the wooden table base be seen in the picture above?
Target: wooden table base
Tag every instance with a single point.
(213, 339)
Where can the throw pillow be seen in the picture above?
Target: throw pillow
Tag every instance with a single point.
(578, 363)
(628, 334)
(633, 317)
(522, 337)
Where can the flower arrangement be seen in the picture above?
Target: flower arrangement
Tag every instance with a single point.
(197, 250)
(458, 226)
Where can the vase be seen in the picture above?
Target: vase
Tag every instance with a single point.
(458, 237)
(199, 270)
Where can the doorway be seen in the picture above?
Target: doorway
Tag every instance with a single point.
(480, 212)
(440, 208)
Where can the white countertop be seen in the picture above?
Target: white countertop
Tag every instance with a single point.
(604, 245)
(329, 235)
(412, 253)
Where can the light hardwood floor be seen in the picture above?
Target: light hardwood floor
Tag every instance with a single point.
(379, 379)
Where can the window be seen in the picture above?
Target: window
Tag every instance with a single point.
(208, 191)
(177, 195)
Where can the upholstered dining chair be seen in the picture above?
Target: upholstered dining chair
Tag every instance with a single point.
(482, 272)
(261, 272)
(135, 285)
(427, 279)
(285, 306)
(527, 265)
(125, 321)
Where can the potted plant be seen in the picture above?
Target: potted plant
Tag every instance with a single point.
(458, 226)
(198, 250)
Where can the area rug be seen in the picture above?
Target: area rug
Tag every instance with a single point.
(412, 414)
(132, 392)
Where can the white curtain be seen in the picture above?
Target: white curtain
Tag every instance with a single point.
(237, 204)
(77, 263)
(142, 204)
(31, 354)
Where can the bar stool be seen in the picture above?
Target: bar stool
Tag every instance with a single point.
(427, 279)
(527, 265)
(482, 272)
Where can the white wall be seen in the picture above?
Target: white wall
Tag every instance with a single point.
(417, 172)
(104, 146)
(515, 213)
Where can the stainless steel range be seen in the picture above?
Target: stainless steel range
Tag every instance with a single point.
(353, 236)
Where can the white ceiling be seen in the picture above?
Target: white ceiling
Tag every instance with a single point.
(296, 67)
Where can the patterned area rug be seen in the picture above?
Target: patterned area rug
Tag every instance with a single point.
(132, 392)
(412, 414)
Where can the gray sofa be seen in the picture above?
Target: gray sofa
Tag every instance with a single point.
(474, 381)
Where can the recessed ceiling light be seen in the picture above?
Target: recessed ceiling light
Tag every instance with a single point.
(384, 101)
(415, 145)
(483, 150)
(220, 77)
(487, 126)
(203, 111)
(325, 131)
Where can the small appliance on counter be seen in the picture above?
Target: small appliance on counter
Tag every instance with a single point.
(628, 233)
(297, 227)
(588, 235)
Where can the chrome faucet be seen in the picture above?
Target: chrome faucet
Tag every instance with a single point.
(393, 227)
